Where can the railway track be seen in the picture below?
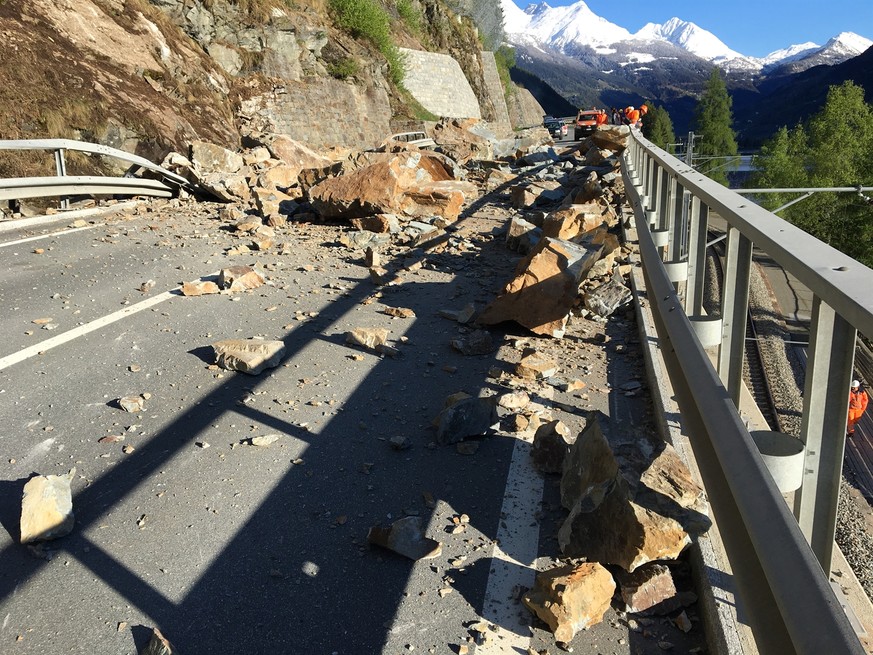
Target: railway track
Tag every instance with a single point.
(754, 368)
(858, 463)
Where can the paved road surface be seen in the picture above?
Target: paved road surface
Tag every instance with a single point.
(238, 549)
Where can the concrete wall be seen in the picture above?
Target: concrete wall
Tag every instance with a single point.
(524, 110)
(438, 83)
(500, 120)
(322, 112)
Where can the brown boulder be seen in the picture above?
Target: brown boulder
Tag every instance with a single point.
(240, 278)
(458, 142)
(647, 588)
(631, 499)
(571, 222)
(611, 137)
(551, 444)
(545, 287)
(406, 183)
(571, 597)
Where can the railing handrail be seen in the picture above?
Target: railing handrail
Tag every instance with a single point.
(19, 188)
(789, 602)
(94, 149)
(824, 270)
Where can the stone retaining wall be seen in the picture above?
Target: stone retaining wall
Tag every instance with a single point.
(500, 121)
(322, 112)
(438, 83)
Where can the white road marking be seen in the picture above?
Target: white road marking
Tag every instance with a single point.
(517, 534)
(25, 223)
(82, 330)
(49, 236)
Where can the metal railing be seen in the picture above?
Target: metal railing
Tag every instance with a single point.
(62, 185)
(780, 561)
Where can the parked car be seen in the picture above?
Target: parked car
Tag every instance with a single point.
(586, 122)
(556, 127)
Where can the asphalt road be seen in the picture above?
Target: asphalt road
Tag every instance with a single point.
(232, 548)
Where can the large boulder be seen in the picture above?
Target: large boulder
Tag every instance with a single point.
(576, 219)
(571, 597)
(454, 138)
(409, 184)
(545, 287)
(611, 137)
(631, 498)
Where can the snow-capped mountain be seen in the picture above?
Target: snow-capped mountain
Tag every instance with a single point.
(573, 28)
(688, 36)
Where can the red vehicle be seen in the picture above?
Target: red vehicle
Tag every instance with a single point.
(586, 122)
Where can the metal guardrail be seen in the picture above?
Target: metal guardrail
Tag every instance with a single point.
(19, 188)
(780, 561)
(420, 139)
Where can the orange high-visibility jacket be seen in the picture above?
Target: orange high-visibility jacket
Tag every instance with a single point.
(634, 116)
(857, 404)
(601, 118)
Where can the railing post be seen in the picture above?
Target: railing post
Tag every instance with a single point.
(734, 308)
(699, 221)
(679, 225)
(61, 168)
(825, 406)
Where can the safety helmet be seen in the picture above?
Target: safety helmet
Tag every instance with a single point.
(855, 384)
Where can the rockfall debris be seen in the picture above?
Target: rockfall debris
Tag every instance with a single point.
(629, 506)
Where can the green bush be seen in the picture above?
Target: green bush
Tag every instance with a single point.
(368, 19)
(346, 67)
(410, 14)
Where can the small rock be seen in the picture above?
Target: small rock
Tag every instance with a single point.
(406, 537)
(399, 443)
(158, 645)
(47, 507)
(535, 366)
(132, 404)
(248, 355)
(476, 343)
(367, 337)
(240, 278)
(264, 440)
(467, 447)
(199, 288)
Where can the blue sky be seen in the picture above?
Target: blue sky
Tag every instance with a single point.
(751, 27)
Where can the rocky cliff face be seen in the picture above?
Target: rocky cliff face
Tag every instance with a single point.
(151, 76)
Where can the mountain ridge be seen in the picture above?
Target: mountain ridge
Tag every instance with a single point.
(574, 26)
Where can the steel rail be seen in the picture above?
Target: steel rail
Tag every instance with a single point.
(16, 188)
(93, 149)
(783, 586)
(825, 271)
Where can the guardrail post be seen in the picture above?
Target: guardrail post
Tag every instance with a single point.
(734, 308)
(698, 224)
(61, 168)
(825, 405)
(663, 184)
(679, 225)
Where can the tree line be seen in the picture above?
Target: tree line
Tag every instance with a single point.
(833, 148)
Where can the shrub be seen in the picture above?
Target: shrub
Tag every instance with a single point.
(410, 14)
(346, 67)
(367, 19)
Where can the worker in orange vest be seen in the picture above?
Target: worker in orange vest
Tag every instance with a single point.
(602, 118)
(633, 116)
(857, 406)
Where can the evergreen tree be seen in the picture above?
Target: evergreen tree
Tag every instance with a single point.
(713, 128)
(658, 128)
(831, 150)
